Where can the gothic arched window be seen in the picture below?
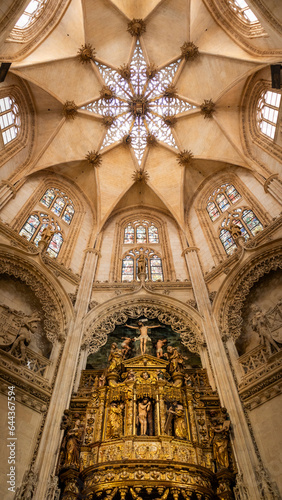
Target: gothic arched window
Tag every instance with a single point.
(248, 223)
(140, 231)
(221, 200)
(33, 228)
(59, 203)
(129, 270)
(267, 112)
(9, 119)
(30, 15)
(243, 11)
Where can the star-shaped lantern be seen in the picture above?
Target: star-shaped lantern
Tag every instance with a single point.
(138, 103)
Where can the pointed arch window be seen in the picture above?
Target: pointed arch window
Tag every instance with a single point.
(9, 119)
(243, 11)
(247, 222)
(30, 15)
(35, 225)
(221, 199)
(154, 269)
(267, 112)
(140, 231)
(59, 203)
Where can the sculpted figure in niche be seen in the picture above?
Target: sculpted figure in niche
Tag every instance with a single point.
(115, 359)
(29, 326)
(47, 234)
(176, 413)
(141, 269)
(260, 325)
(145, 417)
(115, 421)
(72, 443)
(143, 337)
(219, 434)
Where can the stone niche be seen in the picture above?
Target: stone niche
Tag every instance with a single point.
(262, 309)
(18, 301)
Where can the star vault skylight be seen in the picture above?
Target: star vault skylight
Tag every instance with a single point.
(135, 104)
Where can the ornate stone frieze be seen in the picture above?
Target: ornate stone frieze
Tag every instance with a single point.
(96, 333)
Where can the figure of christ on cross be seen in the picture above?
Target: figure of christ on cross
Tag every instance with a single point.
(143, 334)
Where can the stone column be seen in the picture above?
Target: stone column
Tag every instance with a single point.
(273, 185)
(243, 445)
(51, 435)
(7, 192)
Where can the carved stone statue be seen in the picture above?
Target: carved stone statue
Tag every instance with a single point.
(219, 434)
(47, 234)
(115, 421)
(29, 326)
(141, 269)
(260, 325)
(145, 416)
(143, 337)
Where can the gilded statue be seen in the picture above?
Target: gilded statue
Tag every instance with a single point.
(28, 327)
(72, 443)
(219, 434)
(176, 413)
(260, 325)
(115, 359)
(115, 421)
(143, 337)
(175, 359)
(145, 417)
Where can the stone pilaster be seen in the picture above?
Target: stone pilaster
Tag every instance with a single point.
(51, 436)
(273, 185)
(243, 444)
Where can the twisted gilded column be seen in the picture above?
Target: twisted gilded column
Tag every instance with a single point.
(243, 443)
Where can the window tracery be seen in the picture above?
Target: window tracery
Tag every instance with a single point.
(221, 199)
(9, 119)
(34, 226)
(141, 231)
(268, 111)
(129, 270)
(59, 203)
(31, 13)
(248, 223)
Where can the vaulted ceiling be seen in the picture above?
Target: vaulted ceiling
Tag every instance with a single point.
(219, 72)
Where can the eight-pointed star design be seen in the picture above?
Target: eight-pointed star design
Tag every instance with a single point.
(135, 99)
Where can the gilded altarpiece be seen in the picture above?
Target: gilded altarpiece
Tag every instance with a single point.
(147, 427)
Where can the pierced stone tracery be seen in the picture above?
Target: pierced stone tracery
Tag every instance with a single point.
(139, 102)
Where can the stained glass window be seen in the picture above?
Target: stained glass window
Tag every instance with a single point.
(59, 203)
(252, 222)
(220, 200)
(156, 268)
(58, 206)
(232, 193)
(127, 273)
(48, 197)
(153, 234)
(227, 241)
(9, 119)
(33, 228)
(213, 211)
(141, 236)
(68, 214)
(141, 231)
(129, 270)
(267, 112)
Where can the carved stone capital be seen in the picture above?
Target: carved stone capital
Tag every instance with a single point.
(190, 249)
(268, 181)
